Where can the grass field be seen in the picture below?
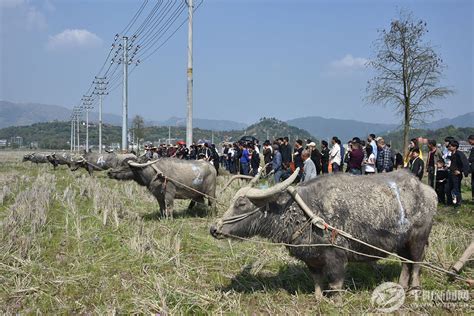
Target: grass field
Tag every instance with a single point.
(70, 243)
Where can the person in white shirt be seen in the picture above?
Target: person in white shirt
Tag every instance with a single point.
(309, 169)
(335, 155)
(373, 143)
(369, 161)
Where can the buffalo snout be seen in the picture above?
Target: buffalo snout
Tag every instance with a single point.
(215, 232)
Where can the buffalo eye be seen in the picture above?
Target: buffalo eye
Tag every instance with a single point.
(241, 201)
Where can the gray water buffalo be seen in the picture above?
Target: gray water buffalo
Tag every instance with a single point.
(99, 162)
(37, 158)
(170, 178)
(393, 211)
(58, 159)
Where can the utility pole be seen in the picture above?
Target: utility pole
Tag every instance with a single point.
(87, 105)
(77, 113)
(189, 118)
(72, 132)
(125, 95)
(100, 90)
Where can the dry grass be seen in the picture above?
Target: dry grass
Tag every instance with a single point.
(70, 243)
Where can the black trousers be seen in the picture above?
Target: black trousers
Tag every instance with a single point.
(325, 168)
(455, 188)
(441, 192)
(431, 178)
(472, 185)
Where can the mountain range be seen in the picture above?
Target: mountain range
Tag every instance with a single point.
(19, 114)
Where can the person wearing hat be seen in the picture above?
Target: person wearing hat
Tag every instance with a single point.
(309, 169)
(315, 156)
(356, 157)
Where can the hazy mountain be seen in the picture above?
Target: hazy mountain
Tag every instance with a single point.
(465, 120)
(324, 128)
(19, 114)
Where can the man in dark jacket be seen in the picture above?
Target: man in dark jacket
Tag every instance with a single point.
(471, 162)
(286, 152)
(324, 156)
(297, 158)
(315, 156)
(434, 155)
(416, 164)
(459, 166)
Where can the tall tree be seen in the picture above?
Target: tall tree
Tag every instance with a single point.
(407, 72)
(138, 127)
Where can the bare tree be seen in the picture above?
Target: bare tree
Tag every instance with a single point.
(407, 72)
(138, 126)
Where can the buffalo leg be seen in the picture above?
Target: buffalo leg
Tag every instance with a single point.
(162, 204)
(416, 246)
(318, 280)
(169, 199)
(405, 275)
(334, 270)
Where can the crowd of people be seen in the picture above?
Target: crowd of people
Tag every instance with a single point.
(444, 166)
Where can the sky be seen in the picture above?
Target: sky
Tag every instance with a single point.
(280, 58)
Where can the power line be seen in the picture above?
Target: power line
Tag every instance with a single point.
(134, 19)
(146, 22)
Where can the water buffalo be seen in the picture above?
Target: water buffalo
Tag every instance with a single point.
(60, 159)
(37, 158)
(393, 211)
(170, 178)
(95, 161)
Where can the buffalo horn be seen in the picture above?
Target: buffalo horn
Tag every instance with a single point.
(239, 176)
(141, 165)
(257, 195)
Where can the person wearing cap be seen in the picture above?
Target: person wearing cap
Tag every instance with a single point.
(356, 157)
(154, 153)
(315, 156)
(309, 169)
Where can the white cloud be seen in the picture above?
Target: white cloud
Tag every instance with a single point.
(70, 39)
(348, 63)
